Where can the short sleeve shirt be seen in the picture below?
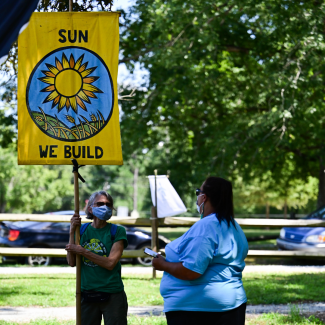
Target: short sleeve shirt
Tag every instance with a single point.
(215, 250)
(93, 276)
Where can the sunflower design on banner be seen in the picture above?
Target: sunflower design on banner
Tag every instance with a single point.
(70, 94)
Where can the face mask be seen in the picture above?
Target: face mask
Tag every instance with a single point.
(198, 207)
(103, 213)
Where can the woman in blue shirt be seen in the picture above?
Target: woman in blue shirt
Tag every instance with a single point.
(202, 282)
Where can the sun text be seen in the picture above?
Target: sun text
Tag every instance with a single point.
(72, 36)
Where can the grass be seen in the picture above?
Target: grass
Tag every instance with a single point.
(142, 291)
(59, 290)
(35, 289)
(294, 318)
(284, 288)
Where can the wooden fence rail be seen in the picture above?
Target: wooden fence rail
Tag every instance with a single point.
(167, 222)
(60, 252)
(56, 252)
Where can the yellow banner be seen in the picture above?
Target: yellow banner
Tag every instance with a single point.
(67, 90)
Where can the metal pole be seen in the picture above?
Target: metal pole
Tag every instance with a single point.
(70, 5)
(154, 225)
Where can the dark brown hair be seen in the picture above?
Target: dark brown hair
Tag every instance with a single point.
(219, 191)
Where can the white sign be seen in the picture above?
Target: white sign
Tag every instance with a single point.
(169, 202)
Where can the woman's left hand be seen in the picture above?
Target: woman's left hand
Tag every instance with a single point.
(158, 263)
(72, 248)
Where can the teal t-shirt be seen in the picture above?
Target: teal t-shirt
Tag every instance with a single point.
(217, 252)
(93, 276)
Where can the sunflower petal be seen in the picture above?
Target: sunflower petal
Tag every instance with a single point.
(92, 88)
(84, 97)
(89, 94)
(81, 103)
(71, 61)
(87, 72)
(67, 104)
(90, 80)
(55, 101)
(47, 80)
(58, 64)
(78, 63)
(73, 103)
(62, 102)
(50, 97)
(53, 69)
(48, 88)
(83, 67)
(65, 62)
(48, 73)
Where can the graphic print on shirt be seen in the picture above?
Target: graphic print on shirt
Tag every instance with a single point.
(95, 246)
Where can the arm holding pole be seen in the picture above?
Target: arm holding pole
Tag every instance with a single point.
(106, 262)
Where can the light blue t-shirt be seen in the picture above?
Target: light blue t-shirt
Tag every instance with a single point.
(215, 251)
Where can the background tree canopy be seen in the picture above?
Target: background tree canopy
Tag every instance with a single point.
(235, 89)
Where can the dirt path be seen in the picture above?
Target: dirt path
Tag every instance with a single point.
(24, 314)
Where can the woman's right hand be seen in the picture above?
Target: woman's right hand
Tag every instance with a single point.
(74, 222)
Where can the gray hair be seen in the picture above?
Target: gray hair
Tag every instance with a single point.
(92, 200)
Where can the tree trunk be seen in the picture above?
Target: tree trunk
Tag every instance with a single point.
(267, 211)
(321, 185)
(267, 214)
(135, 189)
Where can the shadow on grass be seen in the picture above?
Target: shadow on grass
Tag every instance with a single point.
(284, 288)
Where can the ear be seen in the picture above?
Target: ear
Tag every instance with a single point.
(90, 209)
(205, 198)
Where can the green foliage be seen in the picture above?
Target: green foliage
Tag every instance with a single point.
(119, 182)
(248, 196)
(7, 128)
(235, 88)
(28, 189)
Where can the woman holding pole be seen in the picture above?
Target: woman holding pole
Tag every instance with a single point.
(202, 282)
(101, 247)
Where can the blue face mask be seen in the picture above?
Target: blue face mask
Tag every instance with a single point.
(103, 213)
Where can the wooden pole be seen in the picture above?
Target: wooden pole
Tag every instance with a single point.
(77, 235)
(154, 226)
(78, 259)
